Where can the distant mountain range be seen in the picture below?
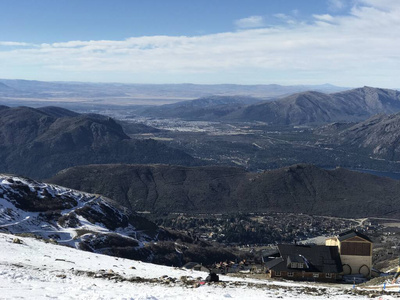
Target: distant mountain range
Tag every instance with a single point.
(4, 88)
(85, 96)
(309, 107)
(272, 104)
(296, 189)
(40, 142)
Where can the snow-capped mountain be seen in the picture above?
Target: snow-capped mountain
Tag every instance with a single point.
(96, 224)
(69, 217)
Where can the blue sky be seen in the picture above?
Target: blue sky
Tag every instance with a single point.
(343, 42)
(48, 21)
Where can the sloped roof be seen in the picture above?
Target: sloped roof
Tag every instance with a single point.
(352, 233)
(272, 263)
(316, 258)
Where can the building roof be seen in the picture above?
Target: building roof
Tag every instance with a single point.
(272, 263)
(352, 233)
(315, 258)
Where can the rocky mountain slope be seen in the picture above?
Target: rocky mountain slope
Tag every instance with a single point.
(94, 223)
(295, 189)
(69, 217)
(378, 136)
(40, 142)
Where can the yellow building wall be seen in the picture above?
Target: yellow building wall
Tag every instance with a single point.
(355, 262)
(332, 242)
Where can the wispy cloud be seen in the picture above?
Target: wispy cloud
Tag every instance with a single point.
(250, 22)
(14, 44)
(325, 17)
(286, 18)
(337, 5)
(359, 48)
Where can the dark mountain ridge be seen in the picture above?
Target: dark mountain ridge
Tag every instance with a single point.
(296, 189)
(57, 112)
(40, 142)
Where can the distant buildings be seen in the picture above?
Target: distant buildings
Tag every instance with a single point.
(350, 253)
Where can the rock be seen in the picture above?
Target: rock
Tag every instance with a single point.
(53, 241)
(17, 241)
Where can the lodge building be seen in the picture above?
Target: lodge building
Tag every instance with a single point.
(348, 253)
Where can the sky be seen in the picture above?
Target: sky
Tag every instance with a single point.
(348, 43)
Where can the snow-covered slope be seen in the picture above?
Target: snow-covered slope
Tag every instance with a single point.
(34, 269)
(68, 217)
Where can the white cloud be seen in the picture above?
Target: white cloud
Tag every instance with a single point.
(325, 17)
(286, 18)
(381, 4)
(350, 50)
(281, 16)
(336, 5)
(250, 22)
(13, 44)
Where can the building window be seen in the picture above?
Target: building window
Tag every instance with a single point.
(290, 274)
(278, 273)
(315, 275)
(328, 275)
(295, 265)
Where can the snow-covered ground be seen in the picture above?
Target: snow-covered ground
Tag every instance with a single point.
(38, 270)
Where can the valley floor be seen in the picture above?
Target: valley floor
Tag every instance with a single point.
(36, 270)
